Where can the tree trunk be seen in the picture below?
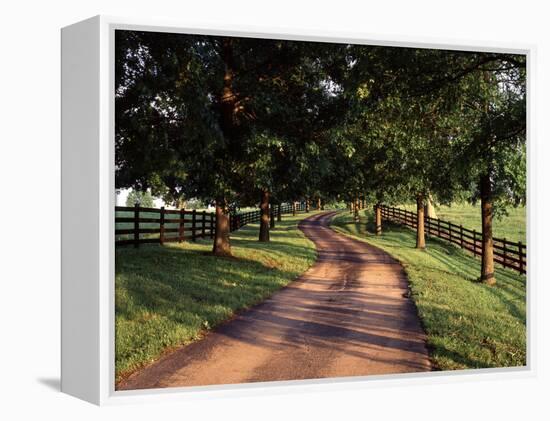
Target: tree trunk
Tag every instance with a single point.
(222, 245)
(487, 262)
(179, 203)
(294, 208)
(350, 207)
(307, 205)
(279, 216)
(318, 203)
(420, 237)
(264, 217)
(378, 219)
(356, 210)
(229, 98)
(429, 209)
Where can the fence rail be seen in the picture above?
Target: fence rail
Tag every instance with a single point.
(135, 225)
(153, 225)
(239, 220)
(509, 254)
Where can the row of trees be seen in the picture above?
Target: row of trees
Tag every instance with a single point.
(241, 121)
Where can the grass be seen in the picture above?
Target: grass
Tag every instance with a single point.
(468, 324)
(172, 295)
(512, 226)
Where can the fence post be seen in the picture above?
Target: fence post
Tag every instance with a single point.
(136, 225)
(161, 235)
(271, 216)
(439, 228)
(181, 233)
(461, 237)
(212, 224)
(475, 243)
(450, 231)
(520, 246)
(428, 225)
(194, 225)
(203, 228)
(378, 219)
(504, 251)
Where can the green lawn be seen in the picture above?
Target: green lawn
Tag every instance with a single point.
(469, 325)
(512, 227)
(171, 295)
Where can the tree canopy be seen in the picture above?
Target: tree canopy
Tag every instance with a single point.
(227, 120)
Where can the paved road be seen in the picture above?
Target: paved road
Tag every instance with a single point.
(348, 315)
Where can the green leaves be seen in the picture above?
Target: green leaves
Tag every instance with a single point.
(202, 116)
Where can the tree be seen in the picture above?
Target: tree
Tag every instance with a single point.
(482, 118)
(210, 110)
(396, 137)
(264, 218)
(491, 158)
(143, 199)
(284, 162)
(426, 123)
(173, 105)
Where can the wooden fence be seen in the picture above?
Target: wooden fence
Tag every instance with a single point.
(507, 253)
(239, 220)
(138, 225)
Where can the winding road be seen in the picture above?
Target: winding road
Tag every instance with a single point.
(348, 315)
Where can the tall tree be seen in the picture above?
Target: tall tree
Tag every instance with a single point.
(491, 154)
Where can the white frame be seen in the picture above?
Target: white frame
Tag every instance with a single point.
(88, 200)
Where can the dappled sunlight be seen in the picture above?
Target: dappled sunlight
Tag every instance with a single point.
(349, 314)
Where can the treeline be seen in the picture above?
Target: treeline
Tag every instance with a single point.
(241, 121)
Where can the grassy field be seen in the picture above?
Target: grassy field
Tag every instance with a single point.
(169, 296)
(512, 227)
(469, 325)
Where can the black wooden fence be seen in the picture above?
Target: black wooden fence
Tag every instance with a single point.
(509, 254)
(239, 220)
(138, 225)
